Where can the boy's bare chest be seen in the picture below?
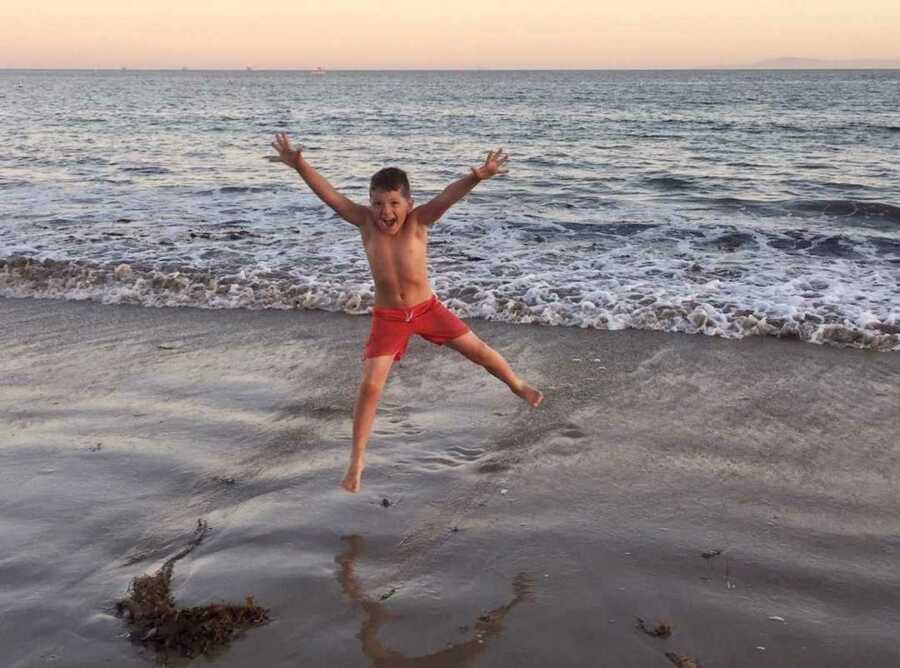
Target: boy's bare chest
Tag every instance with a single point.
(403, 252)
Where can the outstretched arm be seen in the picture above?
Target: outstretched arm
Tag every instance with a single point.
(293, 157)
(433, 210)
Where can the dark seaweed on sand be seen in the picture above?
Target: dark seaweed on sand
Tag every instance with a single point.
(660, 630)
(682, 661)
(154, 619)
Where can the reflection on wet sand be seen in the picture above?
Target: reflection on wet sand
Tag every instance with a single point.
(485, 627)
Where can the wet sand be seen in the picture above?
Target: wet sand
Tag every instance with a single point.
(121, 426)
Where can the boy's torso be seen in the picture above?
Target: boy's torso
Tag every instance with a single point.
(398, 263)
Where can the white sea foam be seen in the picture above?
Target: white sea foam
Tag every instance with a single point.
(621, 299)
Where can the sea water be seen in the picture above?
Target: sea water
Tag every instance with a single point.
(730, 203)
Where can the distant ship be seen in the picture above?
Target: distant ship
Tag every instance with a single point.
(318, 70)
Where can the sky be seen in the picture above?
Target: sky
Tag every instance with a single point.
(365, 34)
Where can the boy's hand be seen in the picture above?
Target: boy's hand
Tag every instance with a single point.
(286, 153)
(493, 165)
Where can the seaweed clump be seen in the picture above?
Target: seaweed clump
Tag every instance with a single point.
(660, 630)
(154, 619)
(682, 661)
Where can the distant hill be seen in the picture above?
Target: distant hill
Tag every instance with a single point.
(816, 64)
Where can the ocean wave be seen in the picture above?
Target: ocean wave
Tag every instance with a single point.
(13, 183)
(731, 241)
(245, 189)
(147, 170)
(525, 304)
(848, 208)
(669, 183)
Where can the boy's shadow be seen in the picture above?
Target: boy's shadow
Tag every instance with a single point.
(485, 627)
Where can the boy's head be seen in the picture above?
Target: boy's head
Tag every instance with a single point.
(390, 199)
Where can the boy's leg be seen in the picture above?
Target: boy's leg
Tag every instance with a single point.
(375, 374)
(481, 353)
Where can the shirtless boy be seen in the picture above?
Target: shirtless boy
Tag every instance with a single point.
(395, 236)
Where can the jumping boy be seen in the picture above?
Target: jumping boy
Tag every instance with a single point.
(395, 237)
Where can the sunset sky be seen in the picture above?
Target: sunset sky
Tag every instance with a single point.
(361, 34)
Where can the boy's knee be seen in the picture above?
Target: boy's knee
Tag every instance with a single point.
(482, 353)
(372, 387)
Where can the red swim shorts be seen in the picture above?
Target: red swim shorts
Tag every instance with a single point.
(392, 327)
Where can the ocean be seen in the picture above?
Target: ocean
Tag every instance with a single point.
(727, 203)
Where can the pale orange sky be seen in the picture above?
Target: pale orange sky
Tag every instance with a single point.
(361, 34)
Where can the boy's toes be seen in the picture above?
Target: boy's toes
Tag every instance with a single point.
(531, 395)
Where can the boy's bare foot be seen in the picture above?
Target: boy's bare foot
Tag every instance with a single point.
(530, 394)
(351, 481)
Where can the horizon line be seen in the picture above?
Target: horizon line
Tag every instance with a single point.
(748, 67)
(773, 63)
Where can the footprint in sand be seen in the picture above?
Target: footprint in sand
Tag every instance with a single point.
(566, 441)
(452, 457)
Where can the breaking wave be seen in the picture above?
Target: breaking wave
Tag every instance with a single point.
(515, 302)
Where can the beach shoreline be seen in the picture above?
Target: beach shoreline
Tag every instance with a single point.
(121, 426)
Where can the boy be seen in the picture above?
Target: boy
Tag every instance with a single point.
(395, 237)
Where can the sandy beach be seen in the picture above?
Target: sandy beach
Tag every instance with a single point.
(511, 537)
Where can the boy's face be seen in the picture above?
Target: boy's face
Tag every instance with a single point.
(390, 208)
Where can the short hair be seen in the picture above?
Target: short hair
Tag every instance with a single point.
(390, 178)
